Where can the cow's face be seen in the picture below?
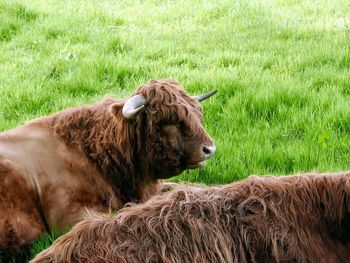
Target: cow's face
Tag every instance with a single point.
(172, 131)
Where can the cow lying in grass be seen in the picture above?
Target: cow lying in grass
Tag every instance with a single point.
(99, 156)
(262, 219)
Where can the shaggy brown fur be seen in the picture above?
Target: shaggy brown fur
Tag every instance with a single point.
(92, 156)
(262, 219)
(132, 153)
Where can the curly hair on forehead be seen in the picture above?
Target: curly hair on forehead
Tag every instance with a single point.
(167, 100)
(304, 218)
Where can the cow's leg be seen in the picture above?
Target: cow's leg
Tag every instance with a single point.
(20, 219)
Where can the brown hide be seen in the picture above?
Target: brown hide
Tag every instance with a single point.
(301, 218)
(92, 157)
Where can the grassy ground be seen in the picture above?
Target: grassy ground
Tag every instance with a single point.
(282, 69)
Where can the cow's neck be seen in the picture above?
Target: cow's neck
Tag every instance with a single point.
(109, 143)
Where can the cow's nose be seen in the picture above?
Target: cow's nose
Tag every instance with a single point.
(209, 151)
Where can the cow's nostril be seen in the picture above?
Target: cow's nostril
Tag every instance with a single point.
(209, 151)
(206, 150)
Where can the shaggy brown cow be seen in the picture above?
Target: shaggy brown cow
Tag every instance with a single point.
(99, 156)
(263, 219)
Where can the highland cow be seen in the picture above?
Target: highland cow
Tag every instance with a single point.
(301, 218)
(97, 157)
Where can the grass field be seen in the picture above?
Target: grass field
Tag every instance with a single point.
(282, 69)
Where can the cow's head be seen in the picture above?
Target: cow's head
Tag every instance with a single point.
(169, 129)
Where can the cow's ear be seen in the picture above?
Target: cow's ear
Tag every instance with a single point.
(116, 108)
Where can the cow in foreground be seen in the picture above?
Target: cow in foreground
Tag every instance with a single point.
(97, 157)
(301, 218)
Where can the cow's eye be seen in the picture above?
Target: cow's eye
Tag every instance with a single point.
(170, 129)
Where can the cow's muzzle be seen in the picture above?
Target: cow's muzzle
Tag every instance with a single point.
(209, 151)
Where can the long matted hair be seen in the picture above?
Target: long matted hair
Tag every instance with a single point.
(302, 218)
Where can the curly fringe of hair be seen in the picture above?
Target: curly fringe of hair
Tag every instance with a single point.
(301, 218)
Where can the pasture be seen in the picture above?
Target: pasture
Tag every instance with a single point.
(282, 69)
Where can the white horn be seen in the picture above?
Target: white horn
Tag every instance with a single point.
(133, 106)
(204, 96)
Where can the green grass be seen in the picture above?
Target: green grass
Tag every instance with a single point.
(282, 69)
(44, 241)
